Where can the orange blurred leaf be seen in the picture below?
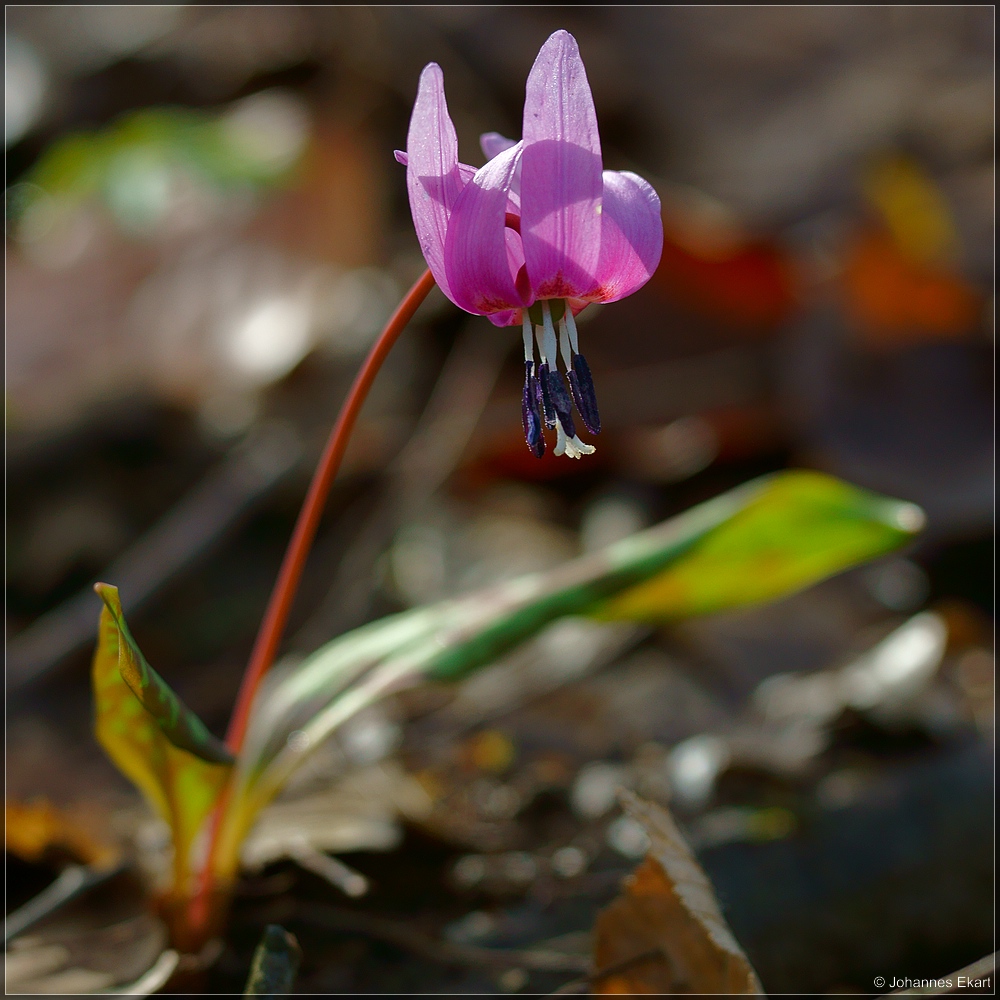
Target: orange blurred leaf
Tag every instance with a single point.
(668, 920)
(35, 828)
(895, 299)
(748, 284)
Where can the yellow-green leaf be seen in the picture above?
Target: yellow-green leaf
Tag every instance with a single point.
(180, 787)
(798, 528)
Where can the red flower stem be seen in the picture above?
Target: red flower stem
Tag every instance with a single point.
(272, 626)
(200, 908)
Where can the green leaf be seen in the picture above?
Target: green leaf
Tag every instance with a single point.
(71, 168)
(756, 543)
(180, 787)
(179, 724)
(133, 163)
(275, 963)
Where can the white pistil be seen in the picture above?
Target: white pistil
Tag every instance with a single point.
(571, 326)
(564, 344)
(575, 448)
(550, 335)
(561, 439)
(571, 447)
(529, 346)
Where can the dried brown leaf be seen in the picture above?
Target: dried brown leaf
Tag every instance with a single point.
(71, 955)
(668, 920)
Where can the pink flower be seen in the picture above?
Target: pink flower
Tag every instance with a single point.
(537, 233)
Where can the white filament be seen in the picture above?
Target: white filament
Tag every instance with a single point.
(571, 326)
(550, 335)
(564, 344)
(540, 337)
(529, 347)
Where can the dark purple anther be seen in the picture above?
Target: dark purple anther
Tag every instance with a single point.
(531, 417)
(561, 402)
(582, 385)
(536, 386)
(548, 410)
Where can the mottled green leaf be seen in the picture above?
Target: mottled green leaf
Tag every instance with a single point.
(759, 542)
(179, 724)
(180, 787)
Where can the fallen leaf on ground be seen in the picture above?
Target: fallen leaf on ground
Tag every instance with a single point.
(35, 828)
(70, 956)
(668, 920)
(359, 811)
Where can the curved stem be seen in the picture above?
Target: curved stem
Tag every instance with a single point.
(276, 616)
(272, 626)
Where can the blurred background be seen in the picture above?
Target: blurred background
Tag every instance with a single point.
(206, 230)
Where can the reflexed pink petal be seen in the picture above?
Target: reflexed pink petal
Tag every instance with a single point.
(561, 181)
(481, 255)
(401, 156)
(631, 236)
(493, 144)
(434, 177)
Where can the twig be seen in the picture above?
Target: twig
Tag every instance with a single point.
(580, 985)
(350, 882)
(72, 882)
(151, 981)
(447, 952)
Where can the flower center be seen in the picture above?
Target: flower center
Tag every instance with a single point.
(545, 400)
